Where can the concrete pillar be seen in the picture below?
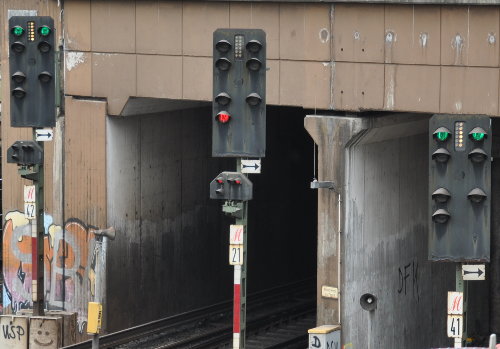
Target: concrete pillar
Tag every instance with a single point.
(331, 134)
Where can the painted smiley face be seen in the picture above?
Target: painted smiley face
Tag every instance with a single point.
(43, 341)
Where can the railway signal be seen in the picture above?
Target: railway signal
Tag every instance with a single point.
(459, 188)
(25, 153)
(231, 186)
(239, 93)
(32, 71)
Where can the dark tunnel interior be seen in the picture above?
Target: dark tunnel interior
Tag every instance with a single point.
(174, 241)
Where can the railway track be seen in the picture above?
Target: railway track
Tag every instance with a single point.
(276, 318)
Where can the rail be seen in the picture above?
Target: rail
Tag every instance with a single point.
(263, 299)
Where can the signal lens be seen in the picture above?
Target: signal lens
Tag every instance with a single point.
(18, 77)
(441, 155)
(441, 195)
(44, 30)
(17, 47)
(18, 30)
(45, 76)
(18, 92)
(478, 155)
(223, 98)
(476, 195)
(44, 47)
(223, 46)
(223, 64)
(442, 136)
(254, 46)
(478, 136)
(441, 216)
(253, 99)
(254, 64)
(223, 117)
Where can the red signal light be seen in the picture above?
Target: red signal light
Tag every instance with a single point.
(220, 180)
(234, 180)
(223, 117)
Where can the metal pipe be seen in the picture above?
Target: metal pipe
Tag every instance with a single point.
(339, 251)
(100, 276)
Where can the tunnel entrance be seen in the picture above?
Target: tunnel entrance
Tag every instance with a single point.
(173, 251)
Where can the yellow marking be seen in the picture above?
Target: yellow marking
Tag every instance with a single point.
(94, 317)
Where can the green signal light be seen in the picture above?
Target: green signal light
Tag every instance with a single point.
(442, 136)
(44, 30)
(17, 30)
(478, 136)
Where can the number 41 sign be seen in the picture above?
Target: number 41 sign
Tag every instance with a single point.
(454, 328)
(455, 314)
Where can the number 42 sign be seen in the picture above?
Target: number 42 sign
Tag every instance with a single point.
(29, 202)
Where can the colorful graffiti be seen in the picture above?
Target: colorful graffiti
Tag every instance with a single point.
(68, 266)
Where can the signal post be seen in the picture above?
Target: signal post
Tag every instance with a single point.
(460, 204)
(32, 104)
(238, 130)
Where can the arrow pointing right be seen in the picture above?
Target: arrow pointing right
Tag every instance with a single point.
(473, 272)
(255, 166)
(479, 272)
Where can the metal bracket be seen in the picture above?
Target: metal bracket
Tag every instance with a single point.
(28, 172)
(233, 208)
(315, 184)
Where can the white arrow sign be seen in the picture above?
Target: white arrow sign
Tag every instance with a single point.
(44, 135)
(250, 166)
(473, 272)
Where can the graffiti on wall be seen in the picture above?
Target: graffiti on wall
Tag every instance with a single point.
(69, 276)
(408, 280)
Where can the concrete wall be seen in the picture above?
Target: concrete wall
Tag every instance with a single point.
(338, 56)
(171, 252)
(385, 245)
(75, 206)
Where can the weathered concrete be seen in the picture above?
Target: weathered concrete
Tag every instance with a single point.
(379, 167)
(331, 135)
(169, 239)
(385, 242)
(171, 250)
(15, 332)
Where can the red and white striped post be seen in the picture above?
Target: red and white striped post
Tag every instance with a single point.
(237, 258)
(237, 308)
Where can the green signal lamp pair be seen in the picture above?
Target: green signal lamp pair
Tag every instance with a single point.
(477, 134)
(43, 30)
